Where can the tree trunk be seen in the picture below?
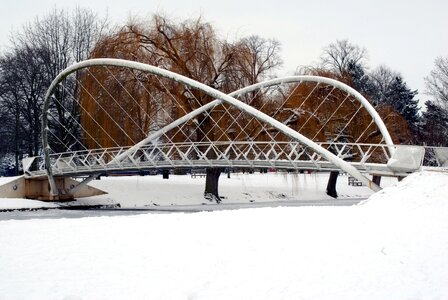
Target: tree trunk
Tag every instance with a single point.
(211, 184)
(331, 186)
(16, 167)
(16, 141)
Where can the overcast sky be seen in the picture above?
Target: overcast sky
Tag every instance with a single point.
(406, 36)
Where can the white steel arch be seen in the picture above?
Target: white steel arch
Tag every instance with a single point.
(277, 81)
(221, 97)
(319, 79)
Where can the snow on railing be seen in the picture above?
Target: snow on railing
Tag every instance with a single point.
(369, 158)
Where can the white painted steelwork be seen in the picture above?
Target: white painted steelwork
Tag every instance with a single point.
(367, 158)
(62, 165)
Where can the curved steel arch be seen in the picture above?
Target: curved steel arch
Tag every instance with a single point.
(277, 81)
(319, 79)
(290, 79)
(220, 96)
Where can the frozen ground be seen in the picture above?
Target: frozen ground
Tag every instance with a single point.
(155, 192)
(393, 246)
(239, 188)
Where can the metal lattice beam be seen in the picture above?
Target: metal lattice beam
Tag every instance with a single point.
(104, 159)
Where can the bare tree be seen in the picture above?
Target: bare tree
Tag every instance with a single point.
(437, 82)
(8, 130)
(338, 56)
(23, 88)
(38, 53)
(62, 38)
(435, 117)
(382, 79)
(258, 57)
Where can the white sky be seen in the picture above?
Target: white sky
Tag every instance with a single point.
(406, 36)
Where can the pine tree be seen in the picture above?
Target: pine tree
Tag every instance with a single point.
(434, 125)
(402, 99)
(360, 79)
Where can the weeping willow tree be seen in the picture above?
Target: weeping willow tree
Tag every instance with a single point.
(191, 48)
(329, 115)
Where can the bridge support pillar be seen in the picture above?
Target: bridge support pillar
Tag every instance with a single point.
(376, 179)
(211, 184)
(331, 185)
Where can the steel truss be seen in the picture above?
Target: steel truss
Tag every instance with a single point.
(367, 158)
(159, 150)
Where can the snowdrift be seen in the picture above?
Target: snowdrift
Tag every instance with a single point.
(393, 246)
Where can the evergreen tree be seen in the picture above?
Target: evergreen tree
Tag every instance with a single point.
(402, 99)
(381, 79)
(434, 125)
(361, 81)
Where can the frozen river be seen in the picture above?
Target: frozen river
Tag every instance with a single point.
(75, 213)
(136, 195)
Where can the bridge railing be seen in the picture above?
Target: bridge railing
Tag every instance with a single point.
(286, 155)
(369, 158)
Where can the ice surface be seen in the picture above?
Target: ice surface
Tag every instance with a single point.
(239, 188)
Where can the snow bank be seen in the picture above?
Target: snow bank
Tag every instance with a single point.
(12, 203)
(419, 190)
(392, 247)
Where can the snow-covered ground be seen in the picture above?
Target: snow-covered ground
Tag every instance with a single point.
(152, 191)
(239, 188)
(13, 203)
(393, 246)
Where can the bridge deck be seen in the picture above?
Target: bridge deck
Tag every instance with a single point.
(379, 169)
(366, 158)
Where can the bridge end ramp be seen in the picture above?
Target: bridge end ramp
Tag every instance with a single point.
(406, 159)
(39, 189)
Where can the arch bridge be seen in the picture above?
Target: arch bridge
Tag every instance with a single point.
(115, 116)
